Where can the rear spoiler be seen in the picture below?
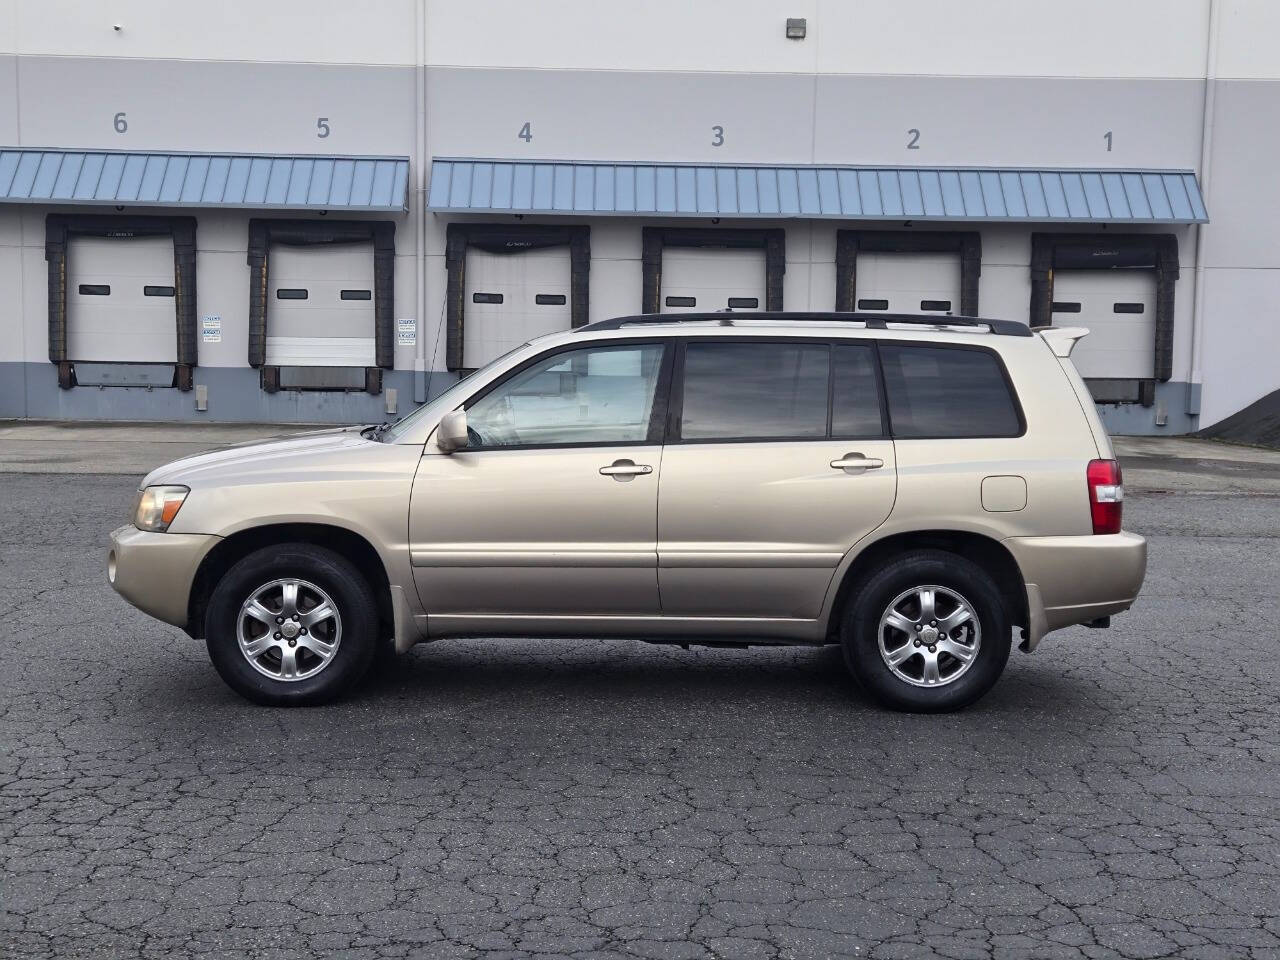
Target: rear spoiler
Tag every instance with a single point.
(1062, 340)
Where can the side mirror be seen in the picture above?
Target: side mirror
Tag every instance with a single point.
(451, 434)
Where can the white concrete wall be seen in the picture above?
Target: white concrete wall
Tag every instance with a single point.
(1009, 82)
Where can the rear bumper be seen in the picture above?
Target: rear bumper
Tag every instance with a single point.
(154, 571)
(1077, 579)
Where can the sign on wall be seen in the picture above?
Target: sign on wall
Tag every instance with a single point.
(211, 329)
(406, 332)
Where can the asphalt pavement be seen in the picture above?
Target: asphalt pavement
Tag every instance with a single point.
(1116, 795)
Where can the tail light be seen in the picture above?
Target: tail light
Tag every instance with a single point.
(1106, 495)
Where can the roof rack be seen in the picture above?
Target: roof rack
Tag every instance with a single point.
(872, 321)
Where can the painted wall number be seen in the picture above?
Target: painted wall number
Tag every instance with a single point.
(1107, 137)
(526, 132)
(322, 127)
(120, 123)
(717, 136)
(913, 139)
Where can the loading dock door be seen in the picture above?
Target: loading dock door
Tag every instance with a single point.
(909, 282)
(510, 298)
(320, 306)
(1118, 308)
(709, 278)
(120, 300)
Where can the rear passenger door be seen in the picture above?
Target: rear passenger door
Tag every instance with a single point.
(777, 461)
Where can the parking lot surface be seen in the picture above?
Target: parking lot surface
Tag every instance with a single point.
(1117, 795)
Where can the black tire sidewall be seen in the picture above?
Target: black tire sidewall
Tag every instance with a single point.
(861, 621)
(326, 569)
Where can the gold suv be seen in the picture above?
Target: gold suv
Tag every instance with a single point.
(914, 489)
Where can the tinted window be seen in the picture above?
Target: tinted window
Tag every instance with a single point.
(593, 395)
(855, 397)
(947, 392)
(736, 391)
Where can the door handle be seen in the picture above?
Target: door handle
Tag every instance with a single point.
(624, 470)
(856, 461)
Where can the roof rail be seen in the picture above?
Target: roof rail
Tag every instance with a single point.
(872, 321)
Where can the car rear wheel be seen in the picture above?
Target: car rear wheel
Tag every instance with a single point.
(292, 625)
(927, 633)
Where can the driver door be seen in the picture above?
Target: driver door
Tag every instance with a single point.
(550, 514)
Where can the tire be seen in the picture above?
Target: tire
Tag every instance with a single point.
(320, 576)
(913, 686)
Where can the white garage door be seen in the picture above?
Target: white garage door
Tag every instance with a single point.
(1118, 308)
(909, 282)
(510, 298)
(709, 279)
(320, 306)
(120, 300)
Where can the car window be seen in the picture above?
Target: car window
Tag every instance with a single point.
(766, 389)
(447, 401)
(592, 395)
(947, 392)
(855, 395)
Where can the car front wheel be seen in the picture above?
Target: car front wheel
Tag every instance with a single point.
(927, 633)
(292, 625)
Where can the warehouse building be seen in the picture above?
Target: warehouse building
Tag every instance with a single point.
(324, 212)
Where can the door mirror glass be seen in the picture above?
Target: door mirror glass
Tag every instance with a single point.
(451, 435)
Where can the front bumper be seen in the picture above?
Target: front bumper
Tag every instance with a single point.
(154, 571)
(1077, 579)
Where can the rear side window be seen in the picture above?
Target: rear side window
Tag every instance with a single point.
(938, 392)
(755, 391)
(855, 395)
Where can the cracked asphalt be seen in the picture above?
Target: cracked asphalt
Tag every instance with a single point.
(1117, 795)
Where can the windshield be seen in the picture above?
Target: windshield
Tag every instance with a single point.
(443, 403)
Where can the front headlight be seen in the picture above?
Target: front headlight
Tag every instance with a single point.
(157, 506)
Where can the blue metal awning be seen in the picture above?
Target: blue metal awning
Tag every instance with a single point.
(249, 181)
(815, 192)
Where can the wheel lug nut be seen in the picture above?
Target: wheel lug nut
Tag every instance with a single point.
(933, 648)
(917, 643)
(293, 643)
(277, 636)
(304, 631)
(279, 619)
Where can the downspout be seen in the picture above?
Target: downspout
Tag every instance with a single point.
(1194, 381)
(420, 197)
